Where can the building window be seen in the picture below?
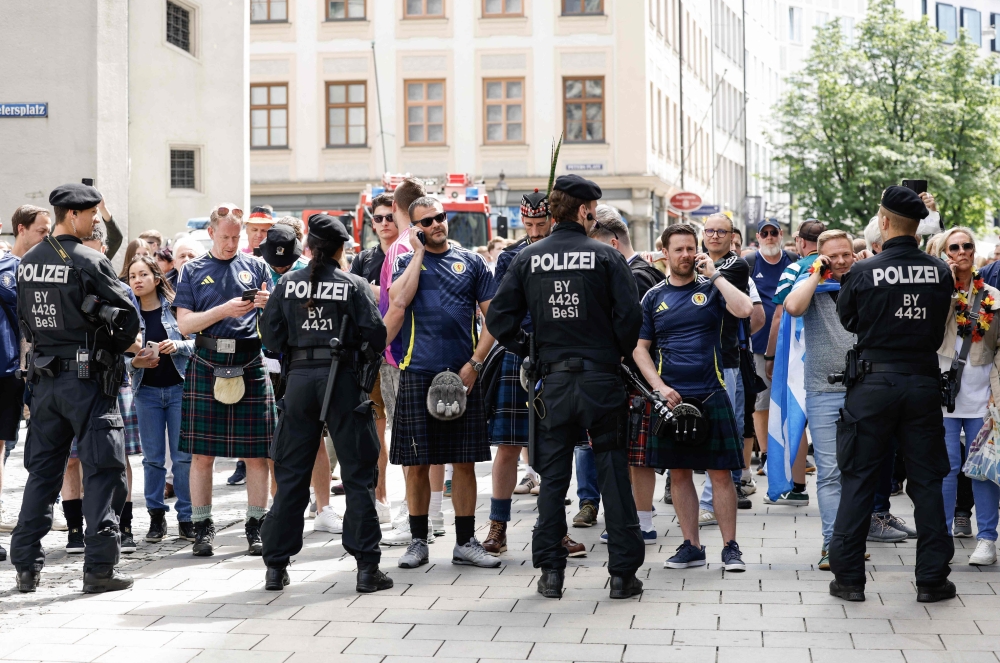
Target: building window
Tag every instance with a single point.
(795, 24)
(345, 10)
(583, 101)
(424, 8)
(182, 169)
(424, 112)
(972, 21)
(994, 23)
(499, 8)
(346, 115)
(179, 26)
(947, 22)
(582, 7)
(268, 11)
(504, 110)
(269, 115)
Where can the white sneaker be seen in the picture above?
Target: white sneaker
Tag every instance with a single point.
(328, 521)
(399, 536)
(59, 519)
(473, 554)
(437, 523)
(7, 522)
(750, 487)
(528, 482)
(402, 517)
(986, 553)
(383, 511)
(706, 518)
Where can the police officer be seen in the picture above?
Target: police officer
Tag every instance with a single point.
(897, 303)
(79, 319)
(585, 308)
(305, 311)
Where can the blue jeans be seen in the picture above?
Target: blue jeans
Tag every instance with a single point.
(734, 389)
(986, 493)
(159, 412)
(822, 411)
(586, 476)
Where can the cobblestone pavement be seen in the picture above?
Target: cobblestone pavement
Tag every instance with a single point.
(214, 609)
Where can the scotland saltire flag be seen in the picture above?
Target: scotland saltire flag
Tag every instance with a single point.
(787, 419)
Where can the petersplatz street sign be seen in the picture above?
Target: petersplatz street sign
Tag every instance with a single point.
(685, 201)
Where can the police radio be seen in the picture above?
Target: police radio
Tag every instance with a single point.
(83, 362)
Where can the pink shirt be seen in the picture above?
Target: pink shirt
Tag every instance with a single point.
(396, 249)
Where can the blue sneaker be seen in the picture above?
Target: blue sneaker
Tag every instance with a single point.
(687, 556)
(732, 558)
(649, 538)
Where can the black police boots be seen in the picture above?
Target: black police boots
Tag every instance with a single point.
(942, 592)
(276, 578)
(624, 587)
(204, 537)
(27, 581)
(371, 579)
(854, 593)
(108, 581)
(550, 584)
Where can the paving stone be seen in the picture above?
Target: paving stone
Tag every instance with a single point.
(545, 651)
(660, 654)
(542, 634)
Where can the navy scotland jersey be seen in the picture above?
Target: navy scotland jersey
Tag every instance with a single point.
(10, 333)
(207, 282)
(503, 262)
(684, 324)
(439, 327)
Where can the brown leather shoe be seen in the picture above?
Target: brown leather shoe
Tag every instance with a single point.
(168, 491)
(573, 548)
(496, 540)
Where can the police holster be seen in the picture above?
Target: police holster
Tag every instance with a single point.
(42, 365)
(110, 372)
(610, 432)
(371, 362)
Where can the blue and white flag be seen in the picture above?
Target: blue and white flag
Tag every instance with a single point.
(786, 421)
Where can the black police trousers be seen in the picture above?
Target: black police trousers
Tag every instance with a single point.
(61, 408)
(574, 402)
(297, 437)
(882, 407)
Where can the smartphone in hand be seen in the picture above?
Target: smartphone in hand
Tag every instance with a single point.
(250, 294)
(422, 237)
(153, 347)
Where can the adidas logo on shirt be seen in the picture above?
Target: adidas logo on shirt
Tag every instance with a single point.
(662, 307)
(759, 276)
(207, 280)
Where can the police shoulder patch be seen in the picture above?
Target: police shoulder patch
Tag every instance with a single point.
(7, 280)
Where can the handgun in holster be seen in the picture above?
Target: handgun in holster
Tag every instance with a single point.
(369, 363)
(854, 371)
(110, 371)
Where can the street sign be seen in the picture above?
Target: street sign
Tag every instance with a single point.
(585, 166)
(40, 109)
(685, 201)
(706, 210)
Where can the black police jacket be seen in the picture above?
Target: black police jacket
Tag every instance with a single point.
(581, 296)
(50, 295)
(897, 303)
(289, 323)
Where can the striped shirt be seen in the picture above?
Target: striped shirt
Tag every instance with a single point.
(789, 276)
(394, 351)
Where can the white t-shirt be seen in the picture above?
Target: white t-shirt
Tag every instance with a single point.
(974, 394)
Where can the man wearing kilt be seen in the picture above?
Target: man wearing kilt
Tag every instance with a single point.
(439, 287)
(682, 325)
(228, 407)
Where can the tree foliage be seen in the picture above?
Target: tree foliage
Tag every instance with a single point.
(899, 103)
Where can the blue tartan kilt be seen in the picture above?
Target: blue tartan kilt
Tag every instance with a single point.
(509, 422)
(133, 446)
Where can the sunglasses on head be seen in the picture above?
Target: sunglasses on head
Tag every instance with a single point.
(382, 218)
(225, 211)
(426, 223)
(598, 225)
(773, 232)
(713, 232)
(968, 246)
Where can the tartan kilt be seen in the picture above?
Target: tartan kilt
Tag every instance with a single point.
(210, 428)
(637, 443)
(420, 439)
(721, 450)
(509, 423)
(133, 445)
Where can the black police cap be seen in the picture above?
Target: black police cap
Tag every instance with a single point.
(904, 202)
(576, 186)
(75, 196)
(282, 247)
(328, 228)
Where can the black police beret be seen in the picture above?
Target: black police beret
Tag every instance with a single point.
(327, 227)
(904, 202)
(281, 248)
(75, 196)
(576, 186)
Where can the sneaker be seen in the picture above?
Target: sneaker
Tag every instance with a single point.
(239, 477)
(402, 517)
(416, 555)
(447, 488)
(587, 516)
(706, 518)
(810, 467)
(648, 538)
(537, 487)
(942, 592)
(687, 555)
(157, 526)
(7, 522)
(527, 483)
(204, 537)
(962, 527)
(472, 553)
(59, 519)
(791, 498)
(399, 536)
(824, 561)
(732, 558)
(897, 488)
(128, 541)
(900, 524)
(327, 520)
(252, 528)
(880, 531)
(742, 499)
(185, 530)
(667, 497)
(496, 540)
(762, 468)
(986, 553)
(436, 521)
(74, 542)
(573, 549)
(383, 511)
(311, 513)
(749, 486)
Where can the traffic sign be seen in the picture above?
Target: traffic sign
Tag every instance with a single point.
(685, 201)
(706, 210)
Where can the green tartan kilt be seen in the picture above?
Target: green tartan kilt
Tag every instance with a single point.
(210, 428)
(720, 450)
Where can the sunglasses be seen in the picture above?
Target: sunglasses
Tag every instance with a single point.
(968, 246)
(774, 232)
(382, 218)
(426, 223)
(712, 232)
(599, 226)
(225, 211)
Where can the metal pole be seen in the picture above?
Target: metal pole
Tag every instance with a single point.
(746, 143)
(680, 77)
(378, 97)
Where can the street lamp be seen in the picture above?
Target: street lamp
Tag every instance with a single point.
(501, 191)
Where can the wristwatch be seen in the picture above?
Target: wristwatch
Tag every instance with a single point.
(712, 278)
(477, 366)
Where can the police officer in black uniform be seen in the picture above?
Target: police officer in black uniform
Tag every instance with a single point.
(585, 308)
(79, 319)
(897, 303)
(306, 310)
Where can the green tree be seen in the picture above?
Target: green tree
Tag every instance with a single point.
(900, 103)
